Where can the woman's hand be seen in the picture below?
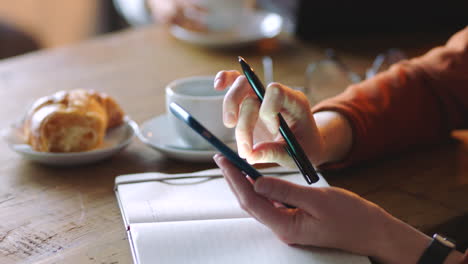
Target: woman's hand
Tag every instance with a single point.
(175, 12)
(325, 217)
(324, 136)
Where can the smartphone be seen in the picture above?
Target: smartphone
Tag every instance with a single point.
(232, 156)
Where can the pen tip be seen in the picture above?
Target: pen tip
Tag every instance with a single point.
(240, 58)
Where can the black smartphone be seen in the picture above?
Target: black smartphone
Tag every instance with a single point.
(232, 156)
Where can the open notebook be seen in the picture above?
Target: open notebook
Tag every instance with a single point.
(194, 218)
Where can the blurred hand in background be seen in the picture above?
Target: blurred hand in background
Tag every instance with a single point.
(185, 13)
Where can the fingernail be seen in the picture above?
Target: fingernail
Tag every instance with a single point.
(262, 187)
(216, 157)
(229, 118)
(217, 82)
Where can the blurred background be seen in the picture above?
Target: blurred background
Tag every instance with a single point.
(30, 24)
(27, 25)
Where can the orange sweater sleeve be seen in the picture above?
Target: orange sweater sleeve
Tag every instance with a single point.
(465, 258)
(416, 102)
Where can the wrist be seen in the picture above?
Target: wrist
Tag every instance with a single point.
(336, 133)
(399, 242)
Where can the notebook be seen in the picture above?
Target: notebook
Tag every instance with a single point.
(194, 218)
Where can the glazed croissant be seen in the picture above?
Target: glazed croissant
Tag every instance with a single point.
(71, 121)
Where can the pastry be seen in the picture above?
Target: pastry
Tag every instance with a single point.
(71, 121)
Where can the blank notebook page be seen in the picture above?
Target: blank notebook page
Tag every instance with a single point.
(199, 221)
(241, 240)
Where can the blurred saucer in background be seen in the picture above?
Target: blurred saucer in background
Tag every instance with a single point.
(158, 134)
(255, 26)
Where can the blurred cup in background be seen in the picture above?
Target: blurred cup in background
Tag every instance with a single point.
(197, 95)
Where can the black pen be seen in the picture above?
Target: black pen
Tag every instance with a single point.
(292, 146)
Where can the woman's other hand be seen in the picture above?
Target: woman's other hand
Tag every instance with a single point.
(184, 13)
(325, 217)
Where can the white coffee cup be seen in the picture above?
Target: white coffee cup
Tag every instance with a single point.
(197, 96)
(220, 15)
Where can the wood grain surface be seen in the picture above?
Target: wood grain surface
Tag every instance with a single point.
(70, 215)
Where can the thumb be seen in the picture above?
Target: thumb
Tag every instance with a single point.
(271, 152)
(287, 192)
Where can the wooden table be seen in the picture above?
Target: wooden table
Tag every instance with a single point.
(70, 215)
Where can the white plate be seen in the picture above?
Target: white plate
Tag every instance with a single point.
(116, 139)
(255, 26)
(159, 135)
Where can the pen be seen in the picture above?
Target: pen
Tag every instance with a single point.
(292, 146)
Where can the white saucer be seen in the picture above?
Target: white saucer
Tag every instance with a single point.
(255, 26)
(159, 135)
(116, 139)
